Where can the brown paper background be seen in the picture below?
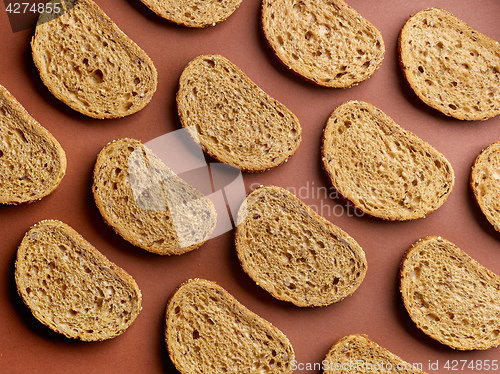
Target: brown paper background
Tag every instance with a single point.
(375, 309)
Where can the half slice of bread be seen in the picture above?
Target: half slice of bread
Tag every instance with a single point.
(358, 354)
(449, 296)
(71, 287)
(450, 66)
(147, 203)
(485, 183)
(193, 13)
(383, 169)
(295, 254)
(325, 42)
(209, 331)
(32, 162)
(88, 63)
(232, 119)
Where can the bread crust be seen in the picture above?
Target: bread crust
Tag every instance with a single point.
(457, 71)
(302, 37)
(32, 162)
(208, 331)
(484, 178)
(382, 169)
(233, 119)
(71, 287)
(88, 63)
(295, 254)
(449, 296)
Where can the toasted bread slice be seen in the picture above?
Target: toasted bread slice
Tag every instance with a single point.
(383, 169)
(32, 162)
(450, 66)
(146, 203)
(449, 296)
(88, 63)
(209, 331)
(356, 353)
(233, 120)
(327, 43)
(485, 183)
(295, 254)
(193, 13)
(73, 288)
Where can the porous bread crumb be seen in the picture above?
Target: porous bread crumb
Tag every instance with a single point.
(450, 66)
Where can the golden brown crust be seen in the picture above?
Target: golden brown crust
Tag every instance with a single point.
(450, 66)
(32, 162)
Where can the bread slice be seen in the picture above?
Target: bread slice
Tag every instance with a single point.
(449, 296)
(383, 169)
(326, 42)
(233, 120)
(209, 331)
(295, 254)
(88, 63)
(146, 203)
(32, 162)
(193, 13)
(450, 66)
(484, 181)
(71, 287)
(358, 354)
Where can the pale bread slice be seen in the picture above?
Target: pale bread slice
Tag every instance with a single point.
(449, 296)
(382, 169)
(71, 287)
(232, 118)
(32, 162)
(485, 183)
(295, 254)
(326, 42)
(358, 354)
(146, 203)
(88, 63)
(193, 13)
(208, 331)
(450, 66)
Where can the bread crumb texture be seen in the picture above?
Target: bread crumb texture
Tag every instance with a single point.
(71, 287)
(383, 169)
(295, 254)
(485, 183)
(325, 42)
(449, 296)
(366, 355)
(147, 203)
(32, 162)
(209, 331)
(88, 63)
(232, 118)
(450, 66)
(194, 13)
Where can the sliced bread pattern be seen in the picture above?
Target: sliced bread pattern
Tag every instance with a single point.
(325, 42)
(383, 169)
(485, 183)
(147, 203)
(295, 254)
(209, 331)
(71, 287)
(88, 63)
(32, 162)
(449, 296)
(357, 353)
(233, 119)
(450, 66)
(193, 13)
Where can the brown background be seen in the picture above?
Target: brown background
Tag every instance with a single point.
(375, 309)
